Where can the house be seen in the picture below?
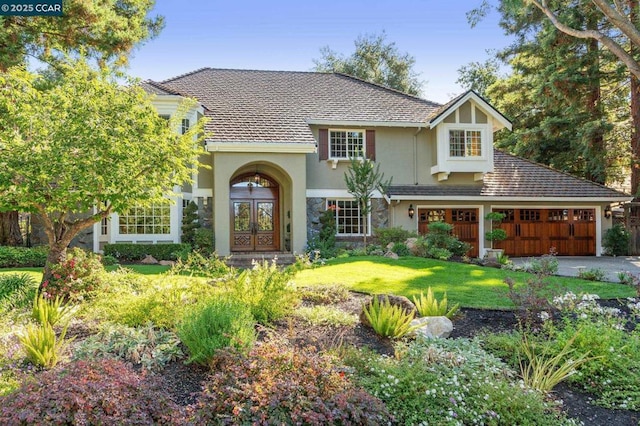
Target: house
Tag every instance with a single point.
(281, 143)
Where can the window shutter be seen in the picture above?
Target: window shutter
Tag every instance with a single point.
(371, 145)
(323, 144)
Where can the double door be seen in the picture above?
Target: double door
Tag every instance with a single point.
(254, 224)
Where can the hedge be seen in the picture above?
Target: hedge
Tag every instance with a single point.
(20, 257)
(130, 252)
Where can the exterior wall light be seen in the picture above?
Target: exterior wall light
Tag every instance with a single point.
(411, 211)
(607, 212)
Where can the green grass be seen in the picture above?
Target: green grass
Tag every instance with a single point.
(469, 285)
(139, 269)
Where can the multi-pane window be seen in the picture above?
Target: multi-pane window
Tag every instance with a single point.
(184, 127)
(155, 219)
(348, 218)
(465, 143)
(346, 144)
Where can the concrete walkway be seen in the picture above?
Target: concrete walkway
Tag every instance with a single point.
(570, 266)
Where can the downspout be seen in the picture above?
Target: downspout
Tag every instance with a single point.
(415, 156)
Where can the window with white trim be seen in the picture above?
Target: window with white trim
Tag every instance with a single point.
(465, 143)
(348, 218)
(184, 127)
(154, 219)
(346, 144)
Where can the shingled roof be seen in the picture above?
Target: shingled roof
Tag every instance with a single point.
(515, 178)
(276, 106)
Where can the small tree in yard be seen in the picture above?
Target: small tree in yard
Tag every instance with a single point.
(362, 179)
(76, 146)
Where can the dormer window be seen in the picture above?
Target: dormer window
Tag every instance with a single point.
(345, 144)
(465, 143)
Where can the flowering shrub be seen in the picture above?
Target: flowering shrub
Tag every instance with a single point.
(453, 381)
(76, 276)
(105, 392)
(280, 385)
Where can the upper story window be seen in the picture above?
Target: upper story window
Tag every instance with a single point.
(465, 143)
(184, 128)
(346, 144)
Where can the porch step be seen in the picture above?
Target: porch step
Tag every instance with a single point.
(246, 260)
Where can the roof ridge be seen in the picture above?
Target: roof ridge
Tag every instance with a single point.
(185, 74)
(243, 70)
(161, 86)
(387, 88)
(535, 163)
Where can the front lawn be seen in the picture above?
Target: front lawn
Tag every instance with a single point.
(36, 273)
(469, 285)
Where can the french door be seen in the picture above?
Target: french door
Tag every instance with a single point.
(254, 224)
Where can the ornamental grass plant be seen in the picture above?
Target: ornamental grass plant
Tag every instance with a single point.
(387, 319)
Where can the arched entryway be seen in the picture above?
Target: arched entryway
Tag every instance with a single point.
(255, 218)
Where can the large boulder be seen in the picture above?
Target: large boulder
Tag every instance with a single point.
(412, 245)
(401, 301)
(432, 327)
(391, 255)
(149, 260)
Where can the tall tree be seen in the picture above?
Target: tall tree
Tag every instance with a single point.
(375, 60)
(76, 148)
(554, 94)
(105, 30)
(479, 76)
(362, 179)
(623, 19)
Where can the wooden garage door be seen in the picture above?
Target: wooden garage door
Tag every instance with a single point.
(533, 232)
(464, 221)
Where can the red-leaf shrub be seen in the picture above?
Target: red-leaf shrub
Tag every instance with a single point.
(77, 275)
(106, 392)
(280, 385)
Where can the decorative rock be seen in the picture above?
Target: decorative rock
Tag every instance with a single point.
(149, 260)
(390, 246)
(432, 327)
(411, 245)
(167, 263)
(401, 301)
(391, 255)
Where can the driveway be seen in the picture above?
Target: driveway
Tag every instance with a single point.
(570, 266)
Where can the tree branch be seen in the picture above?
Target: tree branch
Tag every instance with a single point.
(606, 41)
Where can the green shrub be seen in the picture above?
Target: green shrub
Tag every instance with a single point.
(439, 253)
(322, 244)
(450, 382)
(107, 392)
(326, 315)
(51, 311)
(190, 223)
(196, 264)
(592, 274)
(41, 345)
(129, 252)
(616, 240)
(266, 289)
(428, 306)
(76, 276)
(401, 249)
(386, 319)
(392, 235)
(162, 300)
(440, 237)
(217, 324)
(204, 241)
(16, 291)
(109, 260)
(146, 346)
(280, 385)
(20, 257)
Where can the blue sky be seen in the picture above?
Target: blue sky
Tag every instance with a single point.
(288, 35)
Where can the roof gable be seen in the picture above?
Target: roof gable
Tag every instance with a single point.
(448, 108)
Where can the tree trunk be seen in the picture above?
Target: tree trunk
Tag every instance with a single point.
(596, 150)
(57, 253)
(10, 234)
(635, 112)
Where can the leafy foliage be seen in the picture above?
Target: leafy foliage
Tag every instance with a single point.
(76, 276)
(41, 344)
(440, 238)
(16, 291)
(281, 385)
(217, 324)
(190, 223)
(267, 290)
(146, 346)
(51, 311)
(103, 392)
(326, 315)
(592, 274)
(198, 265)
(392, 235)
(452, 380)
(428, 306)
(325, 294)
(323, 244)
(18, 257)
(616, 240)
(361, 179)
(374, 60)
(386, 319)
(401, 249)
(129, 252)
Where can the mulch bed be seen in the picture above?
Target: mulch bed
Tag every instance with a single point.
(185, 380)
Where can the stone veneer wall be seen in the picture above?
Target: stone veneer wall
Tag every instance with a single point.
(315, 207)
